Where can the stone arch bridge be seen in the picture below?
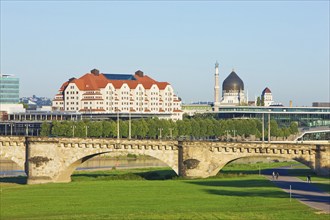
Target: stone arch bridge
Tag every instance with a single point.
(54, 159)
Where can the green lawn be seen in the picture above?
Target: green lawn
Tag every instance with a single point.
(132, 194)
(297, 169)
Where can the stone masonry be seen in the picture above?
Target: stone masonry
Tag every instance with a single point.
(54, 159)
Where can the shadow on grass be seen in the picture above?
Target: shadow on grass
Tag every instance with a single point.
(15, 179)
(233, 183)
(247, 193)
(147, 175)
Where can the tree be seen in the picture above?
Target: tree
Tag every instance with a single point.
(108, 129)
(45, 129)
(262, 101)
(273, 128)
(95, 129)
(294, 127)
(258, 101)
(80, 129)
(142, 128)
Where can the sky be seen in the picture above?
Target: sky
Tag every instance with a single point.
(283, 45)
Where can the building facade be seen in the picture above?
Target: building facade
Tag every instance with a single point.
(233, 93)
(9, 95)
(96, 92)
(267, 97)
(9, 89)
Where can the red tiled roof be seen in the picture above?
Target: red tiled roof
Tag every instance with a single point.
(176, 110)
(92, 82)
(266, 90)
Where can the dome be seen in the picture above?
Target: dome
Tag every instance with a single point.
(232, 82)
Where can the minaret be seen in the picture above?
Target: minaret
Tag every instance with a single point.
(216, 87)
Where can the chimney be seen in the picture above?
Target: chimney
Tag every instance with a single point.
(96, 72)
(290, 103)
(139, 73)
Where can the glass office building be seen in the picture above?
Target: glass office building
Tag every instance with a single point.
(305, 116)
(9, 89)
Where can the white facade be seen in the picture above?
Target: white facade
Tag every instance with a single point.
(233, 98)
(94, 93)
(267, 97)
(12, 108)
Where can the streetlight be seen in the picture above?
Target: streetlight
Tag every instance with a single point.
(171, 134)
(118, 125)
(227, 135)
(234, 134)
(263, 127)
(129, 126)
(160, 133)
(268, 127)
(86, 130)
(27, 129)
(73, 126)
(11, 129)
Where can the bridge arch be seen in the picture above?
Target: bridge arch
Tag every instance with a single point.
(72, 165)
(54, 160)
(13, 149)
(300, 160)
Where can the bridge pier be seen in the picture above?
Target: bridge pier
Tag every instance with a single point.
(43, 162)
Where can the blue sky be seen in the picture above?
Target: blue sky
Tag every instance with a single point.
(276, 44)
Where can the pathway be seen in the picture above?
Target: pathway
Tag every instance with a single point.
(305, 192)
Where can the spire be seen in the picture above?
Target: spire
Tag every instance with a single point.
(216, 86)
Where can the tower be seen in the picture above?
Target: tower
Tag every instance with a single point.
(216, 86)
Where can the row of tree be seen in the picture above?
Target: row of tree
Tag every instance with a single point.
(195, 128)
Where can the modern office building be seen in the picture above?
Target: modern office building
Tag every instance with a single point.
(304, 116)
(9, 95)
(102, 93)
(9, 89)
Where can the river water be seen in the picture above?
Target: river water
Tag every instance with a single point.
(10, 168)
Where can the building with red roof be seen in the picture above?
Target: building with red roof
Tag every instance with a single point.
(267, 97)
(97, 92)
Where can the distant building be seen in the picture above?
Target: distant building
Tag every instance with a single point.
(104, 93)
(267, 97)
(196, 108)
(9, 89)
(232, 90)
(321, 104)
(9, 94)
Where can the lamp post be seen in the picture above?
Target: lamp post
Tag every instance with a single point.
(86, 127)
(73, 127)
(27, 129)
(263, 127)
(11, 129)
(227, 135)
(6, 129)
(160, 133)
(171, 134)
(268, 127)
(129, 126)
(234, 133)
(117, 125)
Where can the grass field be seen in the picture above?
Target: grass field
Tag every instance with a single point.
(153, 194)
